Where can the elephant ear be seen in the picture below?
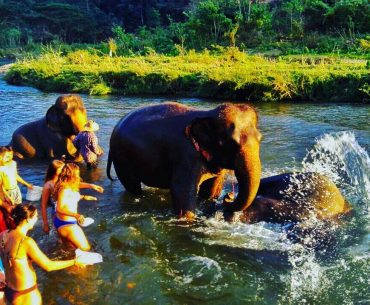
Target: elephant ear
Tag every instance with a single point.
(202, 132)
(58, 121)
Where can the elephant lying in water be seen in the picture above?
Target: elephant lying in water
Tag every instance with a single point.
(186, 150)
(51, 136)
(294, 198)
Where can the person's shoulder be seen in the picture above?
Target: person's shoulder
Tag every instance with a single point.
(29, 242)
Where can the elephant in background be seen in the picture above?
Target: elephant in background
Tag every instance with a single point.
(188, 151)
(295, 197)
(51, 136)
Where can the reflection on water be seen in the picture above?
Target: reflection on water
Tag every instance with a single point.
(152, 258)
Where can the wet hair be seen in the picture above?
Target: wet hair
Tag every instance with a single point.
(52, 169)
(22, 212)
(69, 177)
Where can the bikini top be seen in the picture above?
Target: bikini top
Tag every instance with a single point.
(7, 256)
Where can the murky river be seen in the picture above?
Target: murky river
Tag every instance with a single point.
(150, 257)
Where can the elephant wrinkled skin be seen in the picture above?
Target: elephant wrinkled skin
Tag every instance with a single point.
(51, 136)
(188, 151)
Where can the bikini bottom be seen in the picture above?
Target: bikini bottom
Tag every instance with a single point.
(11, 294)
(58, 223)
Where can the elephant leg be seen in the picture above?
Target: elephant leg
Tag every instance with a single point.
(127, 175)
(184, 190)
(212, 188)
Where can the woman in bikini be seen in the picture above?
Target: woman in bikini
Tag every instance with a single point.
(66, 220)
(18, 251)
(47, 200)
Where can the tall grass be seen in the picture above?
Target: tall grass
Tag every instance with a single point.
(229, 75)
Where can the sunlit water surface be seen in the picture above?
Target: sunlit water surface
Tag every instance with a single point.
(152, 258)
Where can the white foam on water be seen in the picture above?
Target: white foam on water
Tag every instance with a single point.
(203, 265)
(342, 159)
(197, 272)
(306, 278)
(259, 236)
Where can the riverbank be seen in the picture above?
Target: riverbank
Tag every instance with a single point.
(4, 68)
(231, 75)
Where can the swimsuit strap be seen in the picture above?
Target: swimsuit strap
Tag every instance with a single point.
(19, 245)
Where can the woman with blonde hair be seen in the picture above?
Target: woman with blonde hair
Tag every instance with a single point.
(18, 251)
(47, 200)
(66, 220)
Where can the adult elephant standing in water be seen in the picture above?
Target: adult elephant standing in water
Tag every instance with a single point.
(51, 136)
(188, 150)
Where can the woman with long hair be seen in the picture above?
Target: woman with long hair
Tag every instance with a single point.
(47, 199)
(18, 251)
(66, 220)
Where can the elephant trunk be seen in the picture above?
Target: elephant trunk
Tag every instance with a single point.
(248, 174)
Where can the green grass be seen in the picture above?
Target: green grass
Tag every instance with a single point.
(231, 75)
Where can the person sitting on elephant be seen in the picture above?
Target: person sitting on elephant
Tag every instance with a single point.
(47, 200)
(9, 177)
(66, 220)
(86, 143)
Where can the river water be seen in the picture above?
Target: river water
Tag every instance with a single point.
(150, 257)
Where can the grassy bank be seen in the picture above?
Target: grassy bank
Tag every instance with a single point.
(230, 75)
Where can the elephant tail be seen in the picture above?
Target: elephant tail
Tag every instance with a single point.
(109, 165)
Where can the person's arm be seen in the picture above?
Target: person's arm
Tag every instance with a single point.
(95, 187)
(45, 197)
(88, 197)
(8, 201)
(20, 180)
(95, 148)
(34, 252)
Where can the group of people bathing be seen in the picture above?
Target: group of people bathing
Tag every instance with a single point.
(61, 191)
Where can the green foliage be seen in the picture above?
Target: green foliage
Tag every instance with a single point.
(230, 74)
(163, 25)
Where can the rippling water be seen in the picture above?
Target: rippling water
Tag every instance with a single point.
(152, 258)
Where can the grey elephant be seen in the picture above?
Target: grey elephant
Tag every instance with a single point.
(51, 136)
(188, 151)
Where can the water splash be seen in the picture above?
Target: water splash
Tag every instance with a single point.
(200, 268)
(342, 159)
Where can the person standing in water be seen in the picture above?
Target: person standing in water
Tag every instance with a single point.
(47, 200)
(18, 251)
(9, 177)
(87, 144)
(66, 220)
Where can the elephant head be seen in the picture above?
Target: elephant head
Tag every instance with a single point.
(228, 137)
(67, 116)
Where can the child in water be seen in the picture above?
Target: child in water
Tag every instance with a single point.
(9, 177)
(87, 144)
